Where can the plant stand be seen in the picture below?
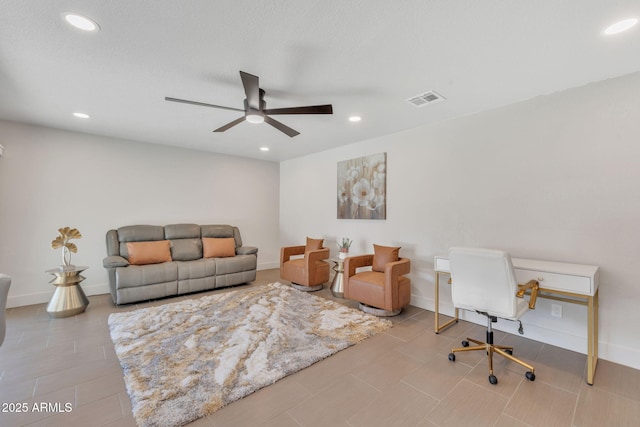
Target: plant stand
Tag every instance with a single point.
(337, 285)
(69, 298)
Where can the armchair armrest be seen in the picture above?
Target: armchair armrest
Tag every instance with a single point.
(533, 285)
(317, 255)
(246, 250)
(394, 269)
(114, 261)
(352, 263)
(312, 258)
(287, 252)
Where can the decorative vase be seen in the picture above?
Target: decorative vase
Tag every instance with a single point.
(66, 256)
(343, 254)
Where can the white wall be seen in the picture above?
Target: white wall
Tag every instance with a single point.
(51, 179)
(554, 178)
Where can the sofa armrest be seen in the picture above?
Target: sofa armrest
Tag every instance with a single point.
(246, 250)
(114, 261)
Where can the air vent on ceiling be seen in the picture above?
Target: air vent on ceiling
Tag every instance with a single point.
(426, 98)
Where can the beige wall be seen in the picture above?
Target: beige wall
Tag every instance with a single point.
(51, 179)
(553, 178)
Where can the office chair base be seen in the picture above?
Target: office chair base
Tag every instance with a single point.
(502, 350)
(380, 312)
(307, 288)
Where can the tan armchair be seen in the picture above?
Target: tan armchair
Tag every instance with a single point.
(305, 266)
(384, 290)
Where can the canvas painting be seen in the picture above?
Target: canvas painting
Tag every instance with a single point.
(362, 187)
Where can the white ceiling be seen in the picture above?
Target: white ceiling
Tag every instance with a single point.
(364, 57)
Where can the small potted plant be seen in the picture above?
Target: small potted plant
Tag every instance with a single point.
(62, 241)
(344, 244)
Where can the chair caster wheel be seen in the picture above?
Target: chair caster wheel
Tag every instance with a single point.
(465, 343)
(452, 357)
(530, 376)
(493, 380)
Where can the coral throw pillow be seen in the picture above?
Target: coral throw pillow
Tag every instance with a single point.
(218, 247)
(382, 255)
(313, 244)
(141, 253)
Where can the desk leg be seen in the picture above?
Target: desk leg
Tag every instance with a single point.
(436, 304)
(592, 356)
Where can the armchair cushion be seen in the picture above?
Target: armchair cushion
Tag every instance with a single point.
(382, 255)
(142, 253)
(218, 247)
(313, 244)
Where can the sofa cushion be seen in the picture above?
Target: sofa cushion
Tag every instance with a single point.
(139, 276)
(186, 249)
(313, 244)
(213, 247)
(181, 231)
(382, 255)
(216, 231)
(141, 253)
(138, 233)
(235, 264)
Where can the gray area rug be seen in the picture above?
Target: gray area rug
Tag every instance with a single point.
(185, 360)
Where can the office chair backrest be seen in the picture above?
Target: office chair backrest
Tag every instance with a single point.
(483, 280)
(5, 283)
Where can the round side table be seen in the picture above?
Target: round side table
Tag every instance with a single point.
(337, 285)
(69, 298)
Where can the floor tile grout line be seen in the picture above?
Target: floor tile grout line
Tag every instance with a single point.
(421, 391)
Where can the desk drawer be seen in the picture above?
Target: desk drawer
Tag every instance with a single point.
(557, 281)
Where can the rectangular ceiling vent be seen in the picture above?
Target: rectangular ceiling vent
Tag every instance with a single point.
(427, 98)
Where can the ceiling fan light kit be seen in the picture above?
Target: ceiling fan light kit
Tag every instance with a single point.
(254, 118)
(255, 110)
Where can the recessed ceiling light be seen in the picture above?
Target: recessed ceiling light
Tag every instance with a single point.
(621, 26)
(81, 22)
(355, 118)
(81, 115)
(264, 148)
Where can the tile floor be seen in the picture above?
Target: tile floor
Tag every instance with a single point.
(398, 378)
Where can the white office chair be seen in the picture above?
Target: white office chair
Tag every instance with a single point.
(5, 283)
(483, 280)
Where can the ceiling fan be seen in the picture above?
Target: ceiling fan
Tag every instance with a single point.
(255, 110)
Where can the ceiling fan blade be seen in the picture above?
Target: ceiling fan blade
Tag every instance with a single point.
(230, 125)
(251, 89)
(281, 127)
(202, 104)
(314, 109)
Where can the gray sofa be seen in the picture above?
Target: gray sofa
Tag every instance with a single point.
(187, 271)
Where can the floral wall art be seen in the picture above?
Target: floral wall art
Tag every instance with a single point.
(362, 187)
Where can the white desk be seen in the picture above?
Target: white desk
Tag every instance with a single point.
(573, 283)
